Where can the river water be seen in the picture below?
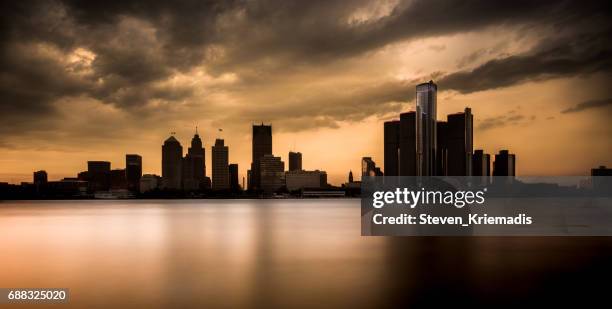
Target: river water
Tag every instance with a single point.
(279, 253)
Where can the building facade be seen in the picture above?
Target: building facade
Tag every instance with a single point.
(220, 166)
(272, 173)
(300, 179)
(133, 171)
(426, 124)
(172, 164)
(261, 146)
(295, 161)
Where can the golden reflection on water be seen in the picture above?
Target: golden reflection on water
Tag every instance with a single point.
(274, 253)
(171, 252)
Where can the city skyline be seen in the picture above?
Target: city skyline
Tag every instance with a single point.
(83, 82)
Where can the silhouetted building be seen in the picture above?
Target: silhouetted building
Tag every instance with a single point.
(149, 182)
(172, 158)
(407, 144)
(455, 144)
(40, 181)
(481, 166)
(133, 171)
(271, 173)
(392, 147)
(220, 168)
(295, 161)
(68, 187)
(233, 176)
(98, 175)
(198, 154)
(504, 165)
(601, 179)
(350, 177)
(426, 117)
(40, 178)
(300, 179)
(118, 179)
(262, 145)
(369, 168)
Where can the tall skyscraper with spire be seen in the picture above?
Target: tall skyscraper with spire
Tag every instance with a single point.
(426, 117)
(172, 157)
(198, 155)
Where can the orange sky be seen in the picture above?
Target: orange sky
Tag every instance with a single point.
(326, 77)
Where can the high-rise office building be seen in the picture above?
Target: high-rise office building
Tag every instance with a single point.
(295, 161)
(40, 181)
(133, 171)
(426, 117)
(220, 166)
(272, 172)
(481, 166)
(455, 145)
(233, 176)
(198, 155)
(504, 165)
(392, 147)
(407, 144)
(172, 167)
(194, 167)
(40, 178)
(262, 145)
(98, 175)
(369, 168)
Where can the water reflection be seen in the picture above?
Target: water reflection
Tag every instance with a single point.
(276, 253)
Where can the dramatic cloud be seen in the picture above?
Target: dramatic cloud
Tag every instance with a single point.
(588, 105)
(512, 118)
(576, 55)
(77, 71)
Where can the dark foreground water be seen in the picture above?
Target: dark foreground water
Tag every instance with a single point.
(280, 253)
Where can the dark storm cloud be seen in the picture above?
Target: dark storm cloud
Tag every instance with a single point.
(139, 45)
(579, 54)
(588, 105)
(511, 118)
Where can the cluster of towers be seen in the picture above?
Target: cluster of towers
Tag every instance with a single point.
(267, 173)
(189, 172)
(419, 145)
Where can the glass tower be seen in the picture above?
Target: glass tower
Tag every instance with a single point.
(426, 116)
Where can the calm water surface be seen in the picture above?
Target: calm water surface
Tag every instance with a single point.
(278, 253)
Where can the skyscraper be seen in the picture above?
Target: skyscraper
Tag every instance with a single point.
(220, 168)
(481, 165)
(40, 178)
(198, 154)
(504, 165)
(98, 175)
(262, 145)
(194, 167)
(172, 157)
(392, 147)
(233, 176)
(295, 161)
(455, 140)
(369, 168)
(272, 171)
(407, 144)
(133, 171)
(426, 117)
